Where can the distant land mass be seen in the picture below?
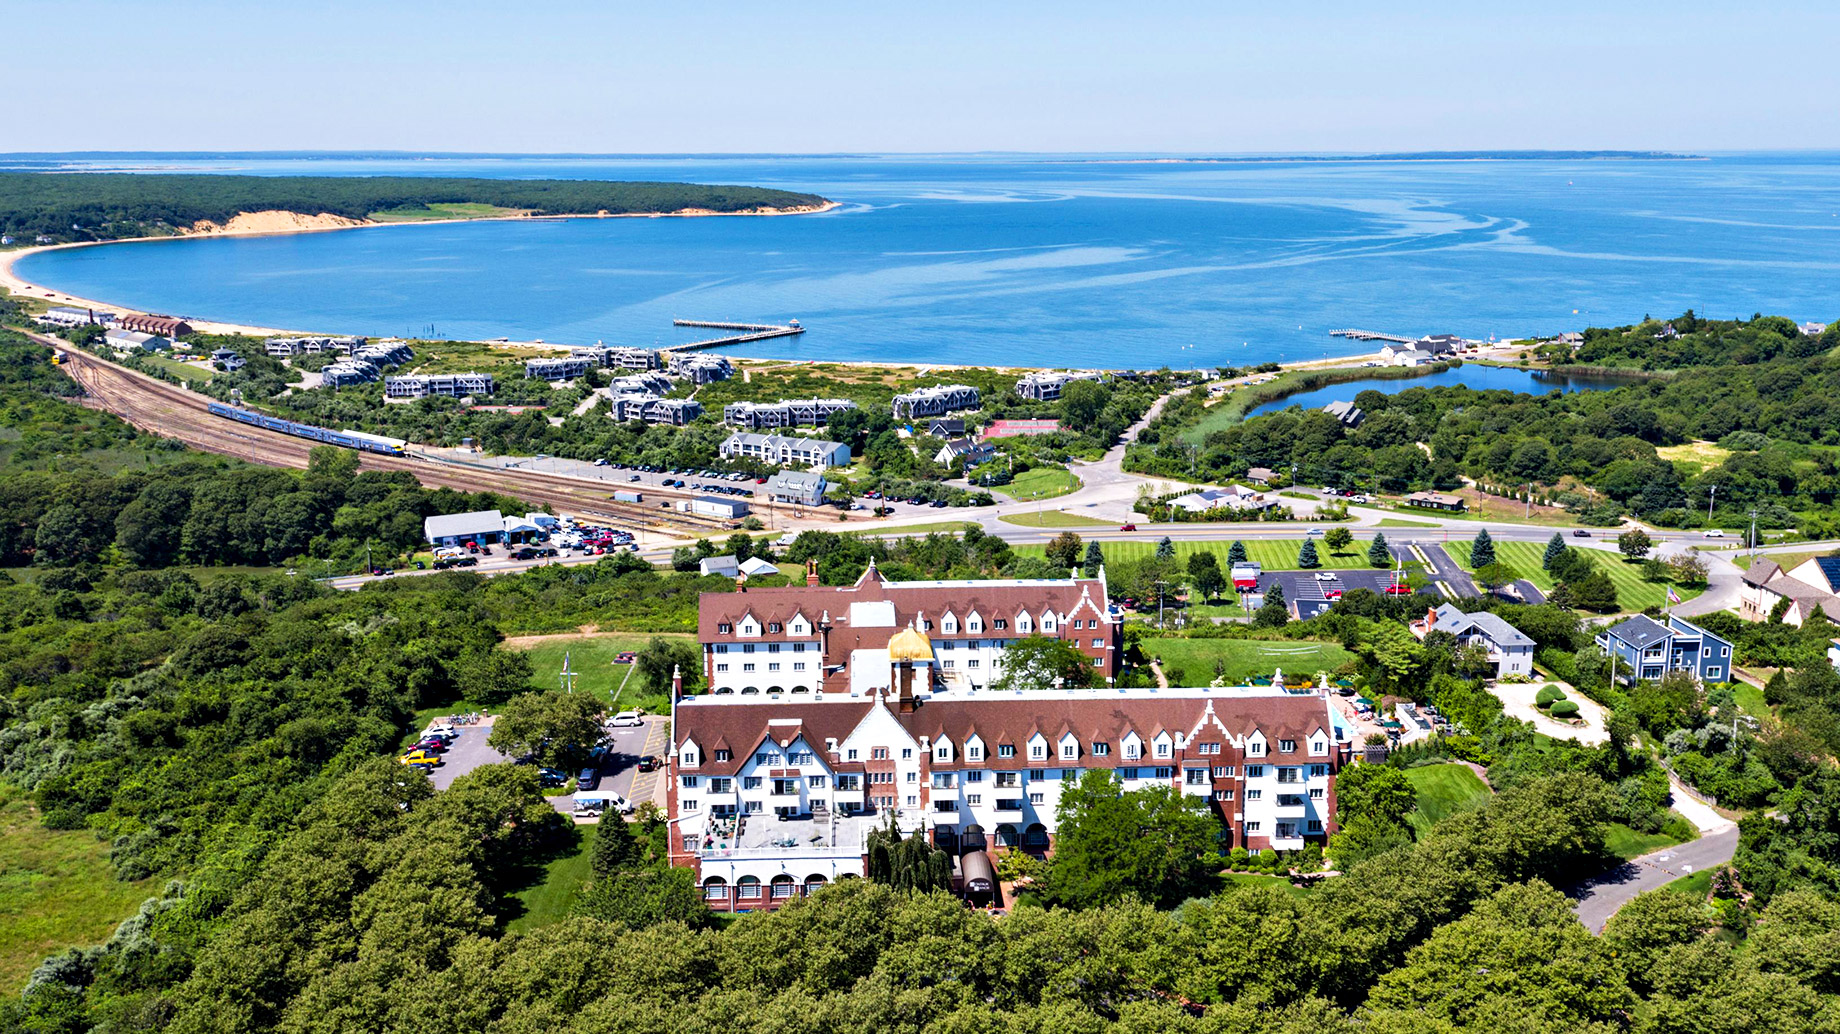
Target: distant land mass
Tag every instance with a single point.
(71, 207)
(1417, 156)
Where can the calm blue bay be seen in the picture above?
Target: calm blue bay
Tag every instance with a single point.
(1037, 260)
(1481, 378)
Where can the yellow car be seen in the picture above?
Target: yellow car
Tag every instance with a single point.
(420, 757)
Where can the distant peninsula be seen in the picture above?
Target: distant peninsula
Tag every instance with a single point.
(61, 208)
(1402, 156)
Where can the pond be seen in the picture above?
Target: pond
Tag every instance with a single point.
(1482, 378)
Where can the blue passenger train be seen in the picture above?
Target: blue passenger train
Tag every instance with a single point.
(348, 439)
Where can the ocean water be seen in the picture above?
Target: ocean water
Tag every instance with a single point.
(1036, 260)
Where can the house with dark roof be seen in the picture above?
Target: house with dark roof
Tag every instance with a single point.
(1813, 583)
(1347, 412)
(1508, 647)
(1642, 648)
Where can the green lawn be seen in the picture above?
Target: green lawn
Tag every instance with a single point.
(949, 527)
(1054, 519)
(1698, 885)
(1190, 662)
(591, 658)
(1443, 790)
(1625, 842)
(1274, 554)
(1042, 483)
(1394, 522)
(552, 886)
(1786, 561)
(1750, 699)
(56, 891)
(1632, 592)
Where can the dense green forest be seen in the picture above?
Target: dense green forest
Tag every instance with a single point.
(1771, 404)
(104, 206)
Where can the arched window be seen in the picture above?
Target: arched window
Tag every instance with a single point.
(801, 689)
(1035, 836)
(973, 840)
(814, 883)
(1006, 835)
(750, 690)
(724, 689)
(776, 689)
(782, 887)
(747, 888)
(715, 888)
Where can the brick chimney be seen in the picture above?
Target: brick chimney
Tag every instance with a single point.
(677, 682)
(811, 574)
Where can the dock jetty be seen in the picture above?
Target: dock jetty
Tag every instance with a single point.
(1370, 335)
(749, 332)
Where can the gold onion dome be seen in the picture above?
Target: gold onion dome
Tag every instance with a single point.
(910, 644)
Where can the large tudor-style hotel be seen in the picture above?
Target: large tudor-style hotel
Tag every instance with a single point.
(833, 709)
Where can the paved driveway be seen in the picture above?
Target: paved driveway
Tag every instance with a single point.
(1600, 898)
(620, 766)
(467, 752)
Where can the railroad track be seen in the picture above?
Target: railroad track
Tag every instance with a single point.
(170, 411)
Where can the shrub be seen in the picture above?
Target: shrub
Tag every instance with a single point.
(1547, 696)
(1564, 709)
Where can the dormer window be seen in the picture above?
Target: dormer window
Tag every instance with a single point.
(725, 628)
(1101, 750)
(1001, 624)
(1133, 750)
(1256, 747)
(974, 753)
(1069, 751)
(1037, 751)
(1287, 746)
(724, 755)
(1162, 750)
(773, 626)
(1006, 750)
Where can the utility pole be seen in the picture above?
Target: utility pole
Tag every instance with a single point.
(568, 677)
(369, 568)
(1753, 534)
(1159, 603)
(1710, 496)
(1527, 514)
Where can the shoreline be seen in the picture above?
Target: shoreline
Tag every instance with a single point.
(22, 287)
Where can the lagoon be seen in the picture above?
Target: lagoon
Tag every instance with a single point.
(1473, 375)
(1055, 260)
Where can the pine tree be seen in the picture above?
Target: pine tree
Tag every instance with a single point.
(1272, 613)
(615, 847)
(1165, 550)
(1237, 553)
(1555, 548)
(1377, 553)
(1095, 559)
(1306, 556)
(1482, 551)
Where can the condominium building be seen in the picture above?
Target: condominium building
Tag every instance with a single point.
(557, 369)
(784, 413)
(783, 451)
(936, 400)
(1047, 385)
(654, 410)
(450, 385)
(700, 367)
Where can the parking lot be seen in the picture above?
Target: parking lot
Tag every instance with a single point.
(618, 768)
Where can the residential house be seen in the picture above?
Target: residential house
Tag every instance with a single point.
(558, 369)
(1509, 649)
(973, 453)
(1347, 412)
(227, 360)
(654, 410)
(1233, 497)
(1643, 648)
(1813, 329)
(946, 427)
(1261, 476)
(1814, 582)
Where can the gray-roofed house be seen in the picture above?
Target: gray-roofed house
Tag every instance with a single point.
(791, 486)
(1260, 475)
(453, 529)
(1347, 412)
(1509, 649)
(972, 452)
(1813, 583)
(1643, 648)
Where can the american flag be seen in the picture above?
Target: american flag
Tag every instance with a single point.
(1672, 596)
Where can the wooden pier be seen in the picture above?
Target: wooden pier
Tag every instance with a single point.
(1371, 335)
(749, 332)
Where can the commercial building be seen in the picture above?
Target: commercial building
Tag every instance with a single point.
(1047, 385)
(937, 400)
(700, 367)
(791, 486)
(1508, 648)
(1260, 476)
(164, 326)
(1435, 501)
(455, 529)
(784, 413)
(1233, 497)
(449, 385)
(134, 341)
(783, 451)
(1643, 648)
(654, 410)
(71, 316)
(711, 506)
(835, 639)
(771, 798)
(1020, 428)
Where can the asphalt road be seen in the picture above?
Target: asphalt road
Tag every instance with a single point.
(1600, 899)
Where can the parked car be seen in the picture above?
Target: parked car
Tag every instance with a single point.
(420, 757)
(1127, 527)
(549, 777)
(648, 763)
(1401, 589)
(626, 720)
(587, 779)
(1715, 533)
(1332, 594)
(625, 657)
(1325, 576)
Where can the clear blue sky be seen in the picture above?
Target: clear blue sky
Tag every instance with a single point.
(690, 75)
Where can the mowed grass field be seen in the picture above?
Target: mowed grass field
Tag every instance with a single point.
(1272, 554)
(57, 891)
(1443, 790)
(1190, 662)
(1632, 592)
(1041, 483)
(1054, 519)
(553, 886)
(591, 658)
